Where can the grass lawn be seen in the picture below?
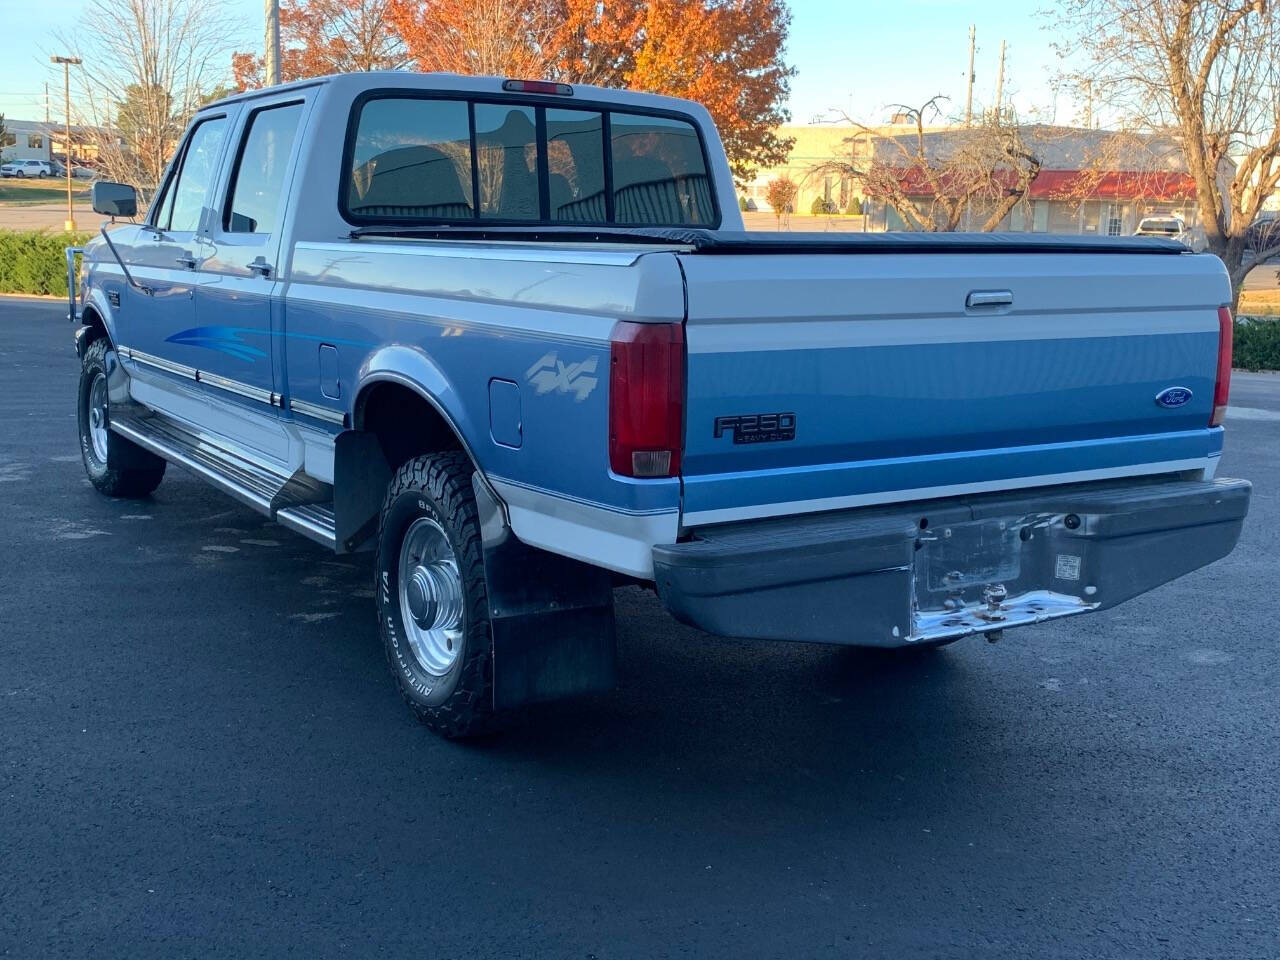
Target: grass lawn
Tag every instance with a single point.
(1260, 303)
(39, 190)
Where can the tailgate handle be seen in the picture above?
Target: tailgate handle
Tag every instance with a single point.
(988, 298)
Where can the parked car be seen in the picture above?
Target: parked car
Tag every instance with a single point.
(511, 339)
(1172, 228)
(1169, 227)
(27, 168)
(1263, 234)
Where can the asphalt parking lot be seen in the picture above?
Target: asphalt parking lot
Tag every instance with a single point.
(202, 754)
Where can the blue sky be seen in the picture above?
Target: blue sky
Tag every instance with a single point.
(850, 55)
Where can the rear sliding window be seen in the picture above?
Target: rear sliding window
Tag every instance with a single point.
(447, 161)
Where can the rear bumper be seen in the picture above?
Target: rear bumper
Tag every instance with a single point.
(940, 569)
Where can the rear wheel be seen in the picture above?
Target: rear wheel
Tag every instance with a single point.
(430, 587)
(116, 466)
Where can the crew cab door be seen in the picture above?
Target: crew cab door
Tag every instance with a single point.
(166, 254)
(234, 320)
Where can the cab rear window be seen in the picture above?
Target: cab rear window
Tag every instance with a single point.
(439, 161)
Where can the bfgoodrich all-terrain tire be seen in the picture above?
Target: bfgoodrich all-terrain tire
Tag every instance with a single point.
(430, 587)
(116, 466)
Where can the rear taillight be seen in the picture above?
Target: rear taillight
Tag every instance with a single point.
(646, 399)
(1222, 386)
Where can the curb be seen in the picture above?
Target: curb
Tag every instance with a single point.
(41, 297)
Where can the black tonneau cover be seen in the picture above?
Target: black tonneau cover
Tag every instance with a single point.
(742, 242)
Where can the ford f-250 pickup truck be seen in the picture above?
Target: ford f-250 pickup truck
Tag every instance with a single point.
(510, 336)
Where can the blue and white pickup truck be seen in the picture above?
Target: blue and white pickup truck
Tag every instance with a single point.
(511, 337)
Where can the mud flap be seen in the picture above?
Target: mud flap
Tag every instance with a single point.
(360, 478)
(551, 618)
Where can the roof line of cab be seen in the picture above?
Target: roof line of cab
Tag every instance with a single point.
(377, 79)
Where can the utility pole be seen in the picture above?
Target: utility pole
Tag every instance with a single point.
(968, 100)
(272, 42)
(1088, 103)
(66, 62)
(1000, 86)
(46, 103)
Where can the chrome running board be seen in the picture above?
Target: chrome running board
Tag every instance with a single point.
(299, 502)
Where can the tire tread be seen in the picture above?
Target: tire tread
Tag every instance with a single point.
(127, 483)
(446, 479)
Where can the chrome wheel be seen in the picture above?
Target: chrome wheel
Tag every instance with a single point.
(431, 596)
(98, 416)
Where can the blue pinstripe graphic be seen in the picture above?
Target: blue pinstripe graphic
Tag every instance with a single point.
(228, 340)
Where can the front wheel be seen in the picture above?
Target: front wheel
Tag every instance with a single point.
(116, 466)
(430, 588)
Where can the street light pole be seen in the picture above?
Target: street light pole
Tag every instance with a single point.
(66, 89)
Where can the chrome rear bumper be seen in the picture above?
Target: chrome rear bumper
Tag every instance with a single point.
(941, 569)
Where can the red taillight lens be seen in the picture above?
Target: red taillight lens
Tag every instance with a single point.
(1222, 386)
(646, 399)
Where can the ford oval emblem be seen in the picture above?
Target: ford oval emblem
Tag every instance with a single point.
(1173, 397)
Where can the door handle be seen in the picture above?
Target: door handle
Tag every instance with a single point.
(261, 267)
(989, 298)
(186, 260)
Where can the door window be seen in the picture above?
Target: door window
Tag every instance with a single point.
(257, 185)
(199, 166)
(1115, 220)
(1039, 216)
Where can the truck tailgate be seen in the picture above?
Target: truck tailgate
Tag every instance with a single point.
(819, 380)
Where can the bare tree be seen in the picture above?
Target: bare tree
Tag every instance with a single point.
(934, 178)
(148, 65)
(1210, 69)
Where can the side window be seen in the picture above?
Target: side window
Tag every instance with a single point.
(411, 159)
(575, 166)
(257, 185)
(507, 161)
(659, 176)
(199, 165)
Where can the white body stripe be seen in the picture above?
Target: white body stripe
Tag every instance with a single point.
(594, 534)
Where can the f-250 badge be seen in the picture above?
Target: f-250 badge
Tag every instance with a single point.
(757, 427)
(550, 373)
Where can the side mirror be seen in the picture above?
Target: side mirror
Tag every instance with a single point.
(114, 199)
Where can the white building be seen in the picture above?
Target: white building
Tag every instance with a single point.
(25, 140)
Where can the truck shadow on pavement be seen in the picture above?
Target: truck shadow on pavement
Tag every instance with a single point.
(277, 635)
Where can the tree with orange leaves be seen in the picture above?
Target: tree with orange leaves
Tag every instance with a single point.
(726, 54)
(328, 36)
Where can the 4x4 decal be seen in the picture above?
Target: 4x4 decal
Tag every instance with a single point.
(550, 373)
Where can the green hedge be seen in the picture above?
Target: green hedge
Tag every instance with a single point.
(1256, 343)
(32, 261)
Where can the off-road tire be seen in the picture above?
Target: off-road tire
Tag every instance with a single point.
(438, 486)
(128, 471)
